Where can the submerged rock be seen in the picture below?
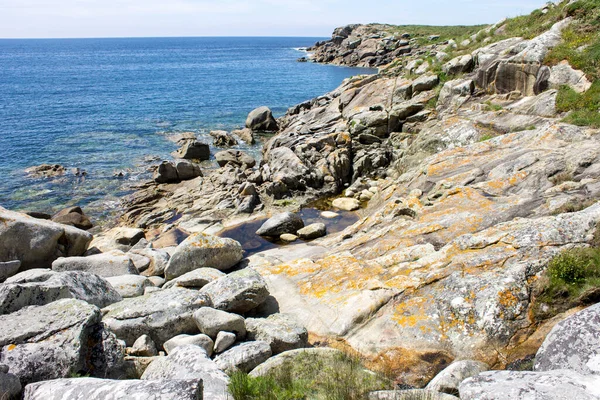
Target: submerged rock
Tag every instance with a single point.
(281, 223)
(312, 231)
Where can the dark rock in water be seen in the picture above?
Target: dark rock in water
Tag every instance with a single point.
(193, 150)
(223, 139)
(46, 171)
(73, 216)
(234, 157)
(261, 120)
(276, 226)
(39, 215)
(166, 173)
(302, 59)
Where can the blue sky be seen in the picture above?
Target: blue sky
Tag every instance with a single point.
(125, 18)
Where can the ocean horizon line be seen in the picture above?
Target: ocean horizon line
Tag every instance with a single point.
(163, 37)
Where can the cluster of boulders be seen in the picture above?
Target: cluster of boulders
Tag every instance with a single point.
(171, 321)
(288, 227)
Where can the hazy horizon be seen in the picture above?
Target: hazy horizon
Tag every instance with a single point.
(81, 19)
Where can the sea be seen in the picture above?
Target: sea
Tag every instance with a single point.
(111, 107)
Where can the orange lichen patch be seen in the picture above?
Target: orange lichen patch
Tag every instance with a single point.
(499, 186)
(11, 347)
(507, 298)
(410, 366)
(411, 312)
(448, 164)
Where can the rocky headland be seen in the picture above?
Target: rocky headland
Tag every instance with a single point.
(452, 247)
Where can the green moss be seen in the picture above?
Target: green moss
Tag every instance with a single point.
(339, 377)
(493, 106)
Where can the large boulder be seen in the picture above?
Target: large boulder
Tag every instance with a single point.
(211, 321)
(190, 362)
(50, 341)
(296, 357)
(261, 120)
(223, 139)
(450, 378)
(166, 173)
(459, 65)
(106, 389)
(105, 264)
(279, 224)
(563, 74)
(35, 242)
(187, 170)
(8, 269)
(245, 134)
(282, 332)
(161, 315)
(238, 292)
(236, 158)
(573, 344)
(193, 150)
(201, 250)
(244, 357)
(52, 286)
(511, 385)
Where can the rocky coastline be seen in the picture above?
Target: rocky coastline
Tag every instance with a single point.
(442, 190)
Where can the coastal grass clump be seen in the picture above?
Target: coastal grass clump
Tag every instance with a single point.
(339, 377)
(583, 108)
(574, 206)
(572, 279)
(422, 32)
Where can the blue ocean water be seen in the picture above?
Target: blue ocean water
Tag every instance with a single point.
(106, 105)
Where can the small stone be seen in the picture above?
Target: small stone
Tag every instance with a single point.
(346, 204)
(143, 347)
(313, 231)
(329, 214)
(197, 340)
(224, 341)
(288, 237)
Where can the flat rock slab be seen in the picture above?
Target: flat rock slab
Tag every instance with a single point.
(511, 385)
(105, 265)
(48, 342)
(201, 250)
(573, 344)
(50, 286)
(36, 242)
(106, 389)
(160, 315)
(190, 362)
(238, 292)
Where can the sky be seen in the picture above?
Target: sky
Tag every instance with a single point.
(314, 18)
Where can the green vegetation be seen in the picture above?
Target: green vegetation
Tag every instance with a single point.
(583, 107)
(572, 279)
(486, 136)
(422, 32)
(561, 177)
(493, 106)
(338, 377)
